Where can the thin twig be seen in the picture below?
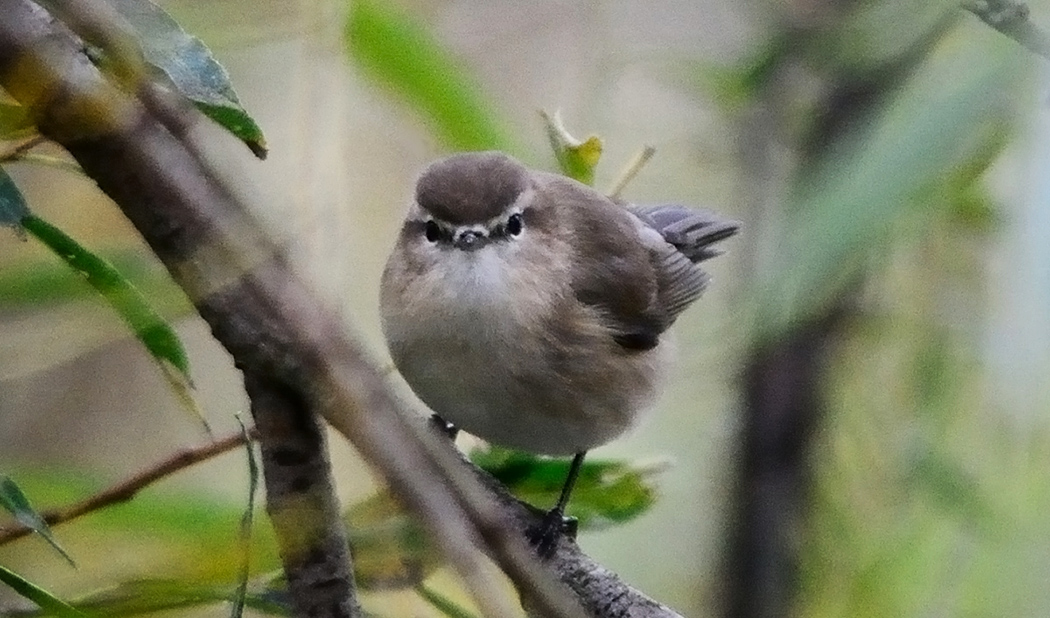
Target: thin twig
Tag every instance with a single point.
(19, 149)
(126, 489)
(628, 173)
(247, 519)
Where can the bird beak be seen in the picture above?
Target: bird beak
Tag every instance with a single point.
(470, 240)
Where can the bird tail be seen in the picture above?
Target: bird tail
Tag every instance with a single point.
(692, 231)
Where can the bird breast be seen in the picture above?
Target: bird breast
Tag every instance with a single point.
(513, 359)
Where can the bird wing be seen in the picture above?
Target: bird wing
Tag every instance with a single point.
(639, 288)
(609, 273)
(685, 238)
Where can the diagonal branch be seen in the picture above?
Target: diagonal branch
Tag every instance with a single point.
(135, 156)
(280, 336)
(1011, 18)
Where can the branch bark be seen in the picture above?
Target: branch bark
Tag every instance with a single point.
(1011, 19)
(288, 346)
(301, 502)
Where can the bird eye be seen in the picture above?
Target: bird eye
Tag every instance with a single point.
(432, 231)
(514, 224)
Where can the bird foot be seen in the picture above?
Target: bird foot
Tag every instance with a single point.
(545, 535)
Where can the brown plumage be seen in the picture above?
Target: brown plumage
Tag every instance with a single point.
(471, 190)
(528, 309)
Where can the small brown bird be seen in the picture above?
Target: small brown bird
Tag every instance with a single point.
(528, 309)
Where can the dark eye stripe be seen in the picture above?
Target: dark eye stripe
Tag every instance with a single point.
(435, 232)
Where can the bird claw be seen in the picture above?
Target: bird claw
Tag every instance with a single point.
(545, 535)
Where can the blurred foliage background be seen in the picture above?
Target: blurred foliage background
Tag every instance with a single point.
(855, 426)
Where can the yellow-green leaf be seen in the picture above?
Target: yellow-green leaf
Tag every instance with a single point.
(576, 158)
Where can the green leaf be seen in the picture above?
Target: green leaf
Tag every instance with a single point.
(237, 121)
(149, 327)
(399, 53)
(16, 503)
(192, 69)
(14, 121)
(852, 202)
(47, 601)
(577, 159)
(42, 282)
(13, 207)
(607, 492)
(157, 335)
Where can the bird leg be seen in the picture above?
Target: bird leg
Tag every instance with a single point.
(544, 536)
